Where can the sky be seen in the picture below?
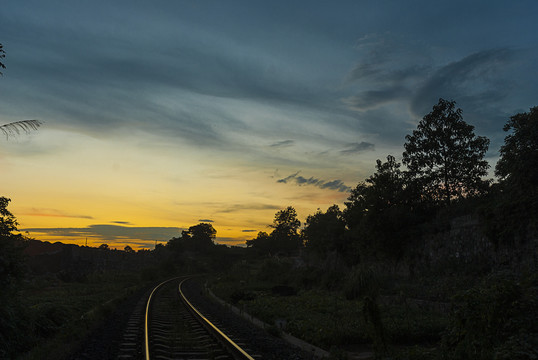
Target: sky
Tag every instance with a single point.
(159, 115)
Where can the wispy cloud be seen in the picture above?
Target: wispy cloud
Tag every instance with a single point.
(337, 185)
(469, 79)
(206, 220)
(283, 143)
(54, 213)
(251, 206)
(390, 71)
(354, 148)
(111, 232)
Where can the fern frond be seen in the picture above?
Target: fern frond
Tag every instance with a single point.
(16, 127)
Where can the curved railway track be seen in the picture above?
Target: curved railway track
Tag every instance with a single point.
(175, 329)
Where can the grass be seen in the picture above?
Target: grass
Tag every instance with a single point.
(327, 319)
(61, 315)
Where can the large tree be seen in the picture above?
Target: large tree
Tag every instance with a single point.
(514, 208)
(378, 213)
(197, 238)
(284, 237)
(286, 226)
(11, 246)
(518, 165)
(324, 231)
(445, 159)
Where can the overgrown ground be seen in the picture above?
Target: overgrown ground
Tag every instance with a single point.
(398, 317)
(52, 317)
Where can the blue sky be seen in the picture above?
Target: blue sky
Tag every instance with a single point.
(230, 110)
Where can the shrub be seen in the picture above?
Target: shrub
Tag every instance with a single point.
(362, 281)
(496, 319)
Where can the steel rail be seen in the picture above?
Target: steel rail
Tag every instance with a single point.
(229, 343)
(146, 325)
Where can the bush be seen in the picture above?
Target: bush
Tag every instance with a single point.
(496, 319)
(240, 295)
(362, 281)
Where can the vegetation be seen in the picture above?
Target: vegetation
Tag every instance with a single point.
(445, 159)
(2, 56)
(284, 238)
(474, 301)
(16, 127)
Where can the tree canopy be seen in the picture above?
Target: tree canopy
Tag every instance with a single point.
(378, 212)
(11, 246)
(324, 231)
(445, 159)
(518, 163)
(284, 237)
(197, 238)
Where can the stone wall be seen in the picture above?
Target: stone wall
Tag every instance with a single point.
(463, 244)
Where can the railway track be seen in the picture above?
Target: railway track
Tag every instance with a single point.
(175, 329)
(159, 324)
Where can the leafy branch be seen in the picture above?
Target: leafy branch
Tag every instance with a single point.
(15, 128)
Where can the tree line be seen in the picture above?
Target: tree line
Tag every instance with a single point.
(444, 171)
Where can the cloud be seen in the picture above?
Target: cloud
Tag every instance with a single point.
(121, 222)
(372, 99)
(283, 143)
(100, 85)
(230, 241)
(355, 148)
(54, 213)
(390, 72)
(323, 184)
(472, 79)
(248, 231)
(205, 220)
(111, 232)
(242, 207)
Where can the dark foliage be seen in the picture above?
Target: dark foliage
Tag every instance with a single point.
(324, 232)
(283, 239)
(381, 213)
(496, 319)
(2, 56)
(518, 164)
(511, 215)
(12, 264)
(198, 238)
(445, 159)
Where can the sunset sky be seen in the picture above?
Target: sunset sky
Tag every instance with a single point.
(160, 115)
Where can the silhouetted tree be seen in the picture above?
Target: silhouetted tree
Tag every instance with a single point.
(202, 235)
(128, 249)
(379, 213)
(513, 208)
(11, 246)
(445, 159)
(387, 185)
(104, 247)
(14, 326)
(197, 238)
(261, 243)
(356, 206)
(324, 232)
(285, 236)
(518, 165)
